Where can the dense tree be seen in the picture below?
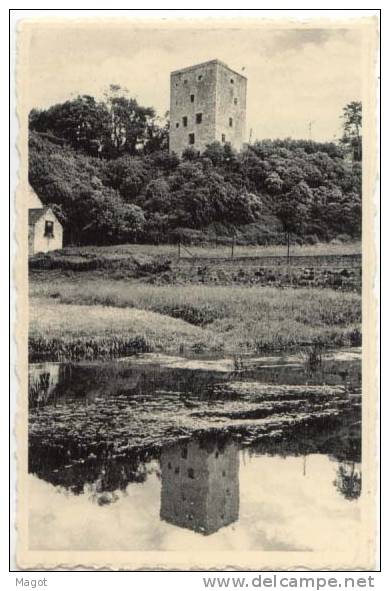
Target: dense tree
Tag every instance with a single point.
(83, 122)
(221, 155)
(273, 183)
(131, 124)
(103, 218)
(127, 175)
(292, 210)
(352, 126)
(105, 169)
(348, 481)
(157, 135)
(118, 125)
(165, 161)
(156, 197)
(158, 227)
(244, 208)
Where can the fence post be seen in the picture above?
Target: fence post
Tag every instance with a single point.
(288, 257)
(233, 243)
(288, 247)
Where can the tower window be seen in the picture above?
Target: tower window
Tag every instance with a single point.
(191, 473)
(192, 97)
(199, 117)
(191, 138)
(200, 77)
(231, 81)
(230, 121)
(235, 101)
(184, 453)
(185, 121)
(177, 125)
(223, 138)
(185, 81)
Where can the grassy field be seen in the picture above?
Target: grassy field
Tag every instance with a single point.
(197, 317)
(309, 266)
(220, 251)
(60, 331)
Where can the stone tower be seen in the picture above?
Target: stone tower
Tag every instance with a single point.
(200, 486)
(208, 104)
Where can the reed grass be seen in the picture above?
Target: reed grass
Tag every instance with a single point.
(201, 317)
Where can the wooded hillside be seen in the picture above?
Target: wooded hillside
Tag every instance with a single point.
(109, 189)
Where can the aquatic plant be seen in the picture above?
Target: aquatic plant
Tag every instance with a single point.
(62, 349)
(313, 357)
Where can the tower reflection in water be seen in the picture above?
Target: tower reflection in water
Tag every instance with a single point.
(200, 487)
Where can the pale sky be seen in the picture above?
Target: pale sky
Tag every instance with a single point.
(294, 75)
(280, 509)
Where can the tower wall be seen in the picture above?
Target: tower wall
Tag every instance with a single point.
(231, 104)
(200, 487)
(217, 94)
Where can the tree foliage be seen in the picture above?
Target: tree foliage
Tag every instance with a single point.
(118, 125)
(106, 170)
(352, 127)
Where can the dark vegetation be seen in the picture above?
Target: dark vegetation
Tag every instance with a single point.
(106, 170)
(57, 349)
(112, 472)
(342, 272)
(105, 424)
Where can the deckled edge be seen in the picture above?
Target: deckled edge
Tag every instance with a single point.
(104, 560)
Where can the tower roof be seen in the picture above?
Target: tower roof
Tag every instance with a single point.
(203, 64)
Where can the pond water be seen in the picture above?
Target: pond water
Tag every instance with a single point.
(168, 453)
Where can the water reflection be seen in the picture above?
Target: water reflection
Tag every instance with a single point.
(349, 480)
(200, 486)
(122, 439)
(43, 379)
(263, 502)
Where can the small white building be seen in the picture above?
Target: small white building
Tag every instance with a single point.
(44, 229)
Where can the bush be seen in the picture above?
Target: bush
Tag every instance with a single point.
(155, 197)
(312, 239)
